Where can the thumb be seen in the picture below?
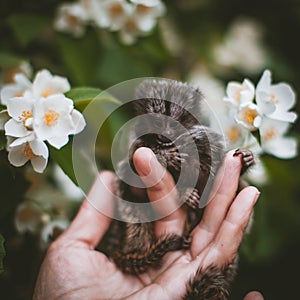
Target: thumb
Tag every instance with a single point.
(254, 295)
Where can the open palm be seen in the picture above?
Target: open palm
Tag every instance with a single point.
(73, 269)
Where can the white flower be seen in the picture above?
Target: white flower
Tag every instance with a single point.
(16, 89)
(21, 113)
(257, 174)
(140, 20)
(249, 116)
(52, 230)
(273, 140)
(237, 136)
(54, 119)
(28, 217)
(116, 13)
(213, 90)
(275, 100)
(149, 8)
(71, 19)
(243, 34)
(45, 84)
(234, 133)
(239, 94)
(28, 148)
(51, 119)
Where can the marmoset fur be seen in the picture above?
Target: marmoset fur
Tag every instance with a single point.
(182, 143)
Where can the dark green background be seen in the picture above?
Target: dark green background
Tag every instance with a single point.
(269, 259)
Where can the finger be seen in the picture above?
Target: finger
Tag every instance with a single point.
(90, 223)
(254, 296)
(227, 241)
(222, 195)
(161, 192)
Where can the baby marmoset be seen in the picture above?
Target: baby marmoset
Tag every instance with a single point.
(170, 124)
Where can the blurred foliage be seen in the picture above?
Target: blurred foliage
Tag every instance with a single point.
(270, 254)
(2, 252)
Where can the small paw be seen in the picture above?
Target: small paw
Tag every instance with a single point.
(174, 158)
(247, 158)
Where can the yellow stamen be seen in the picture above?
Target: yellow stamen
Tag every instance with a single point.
(237, 95)
(46, 93)
(131, 25)
(116, 10)
(143, 9)
(26, 114)
(51, 117)
(250, 115)
(273, 99)
(270, 134)
(27, 152)
(19, 94)
(233, 134)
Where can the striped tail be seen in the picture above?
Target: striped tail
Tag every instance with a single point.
(138, 262)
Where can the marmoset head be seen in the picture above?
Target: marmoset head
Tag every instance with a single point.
(171, 106)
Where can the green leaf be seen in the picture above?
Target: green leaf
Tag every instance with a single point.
(8, 60)
(114, 56)
(27, 27)
(2, 252)
(79, 56)
(63, 157)
(83, 93)
(82, 96)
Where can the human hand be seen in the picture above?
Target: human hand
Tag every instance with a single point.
(73, 269)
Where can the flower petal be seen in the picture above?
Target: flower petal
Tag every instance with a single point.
(264, 103)
(258, 174)
(39, 148)
(22, 140)
(58, 142)
(45, 84)
(53, 117)
(265, 81)
(146, 24)
(39, 163)
(284, 95)
(16, 89)
(285, 116)
(22, 80)
(271, 128)
(78, 120)
(15, 129)
(281, 147)
(16, 107)
(15, 156)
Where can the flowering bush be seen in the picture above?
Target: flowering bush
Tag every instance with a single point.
(269, 115)
(38, 112)
(207, 43)
(130, 19)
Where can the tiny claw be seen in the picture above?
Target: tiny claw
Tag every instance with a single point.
(247, 158)
(193, 199)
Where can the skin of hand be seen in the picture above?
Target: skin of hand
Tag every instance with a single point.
(73, 269)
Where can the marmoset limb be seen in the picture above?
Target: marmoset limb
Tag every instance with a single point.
(174, 130)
